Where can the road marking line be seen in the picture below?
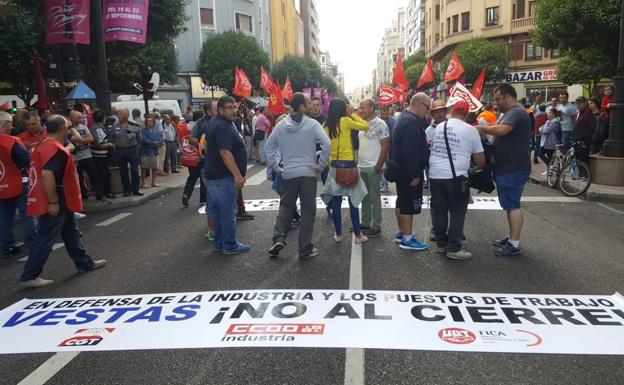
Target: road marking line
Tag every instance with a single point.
(49, 368)
(257, 179)
(354, 359)
(610, 208)
(114, 219)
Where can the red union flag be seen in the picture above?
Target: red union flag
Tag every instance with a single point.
(67, 22)
(454, 70)
(266, 83)
(287, 91)
(242, 85)
(459, 92)
(398, 76)
(477, 88)
(125, 20)
(389, 95)
(427, 75)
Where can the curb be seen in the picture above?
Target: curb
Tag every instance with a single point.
(604, 196)
(132, 202)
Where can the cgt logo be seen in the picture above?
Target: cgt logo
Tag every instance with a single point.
(86, 337)
(457, 336)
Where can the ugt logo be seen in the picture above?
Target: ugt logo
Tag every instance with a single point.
(457, 336)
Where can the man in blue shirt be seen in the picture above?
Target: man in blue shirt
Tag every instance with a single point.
(225, 168)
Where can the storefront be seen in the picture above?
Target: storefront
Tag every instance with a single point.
(529, 84)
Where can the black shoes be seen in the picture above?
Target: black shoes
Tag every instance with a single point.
(245, 216)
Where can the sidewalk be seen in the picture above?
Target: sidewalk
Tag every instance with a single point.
(596, 192)
(167, 184)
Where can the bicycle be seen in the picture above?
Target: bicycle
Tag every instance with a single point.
(564, 169)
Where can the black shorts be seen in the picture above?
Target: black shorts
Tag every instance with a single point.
(409, 199)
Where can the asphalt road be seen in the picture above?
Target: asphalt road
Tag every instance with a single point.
(569, 248)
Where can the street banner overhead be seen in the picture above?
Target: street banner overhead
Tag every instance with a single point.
(439, 321)
(125, 20)
(67, 22)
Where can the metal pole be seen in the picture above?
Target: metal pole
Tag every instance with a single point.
(614, 146)
(102, 87)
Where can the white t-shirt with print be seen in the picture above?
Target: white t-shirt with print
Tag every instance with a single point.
(464, 140)
(370, 145)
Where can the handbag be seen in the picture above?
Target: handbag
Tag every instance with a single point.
(189, 156)
(461, 184)
(481, 180)
(345, 177)
(259, 135)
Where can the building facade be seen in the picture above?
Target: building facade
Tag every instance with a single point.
(330, 69)
(283, 28)
(310, 18)
(415, 27)
(207, 17)
(531, 69)
(300, 34)
(392, 44)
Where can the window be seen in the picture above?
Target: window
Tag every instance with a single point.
(532, 6)
(243, 23)
(448, 25)
(533, 52)
(555, 53)
(515, 51)
(465, 21)
(437, 12)
(491, 16)
(206, 17)
(437, 37)
(519, 9)
(455, 23)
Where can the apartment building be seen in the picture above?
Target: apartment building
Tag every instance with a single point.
(531, 70)
(392, 44)
(415, 27)
(309, 15)
(284, 28)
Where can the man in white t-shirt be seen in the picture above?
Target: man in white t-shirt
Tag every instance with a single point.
(464, 143)
(374, 148)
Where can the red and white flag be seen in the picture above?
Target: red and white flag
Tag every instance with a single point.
(287, 91)
(266, 83)
(454, 70)
(242, 85)
(459, 92)
(389, 95)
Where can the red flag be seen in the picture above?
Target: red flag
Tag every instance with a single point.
(242, 86)
(42, 96)
(398, 77)
(287, 91)
(477, 88)
(454, 70)
(389, 95)
(276, 100)
(266, 83)
(427, 75)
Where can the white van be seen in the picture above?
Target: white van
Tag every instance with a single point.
(162, 105)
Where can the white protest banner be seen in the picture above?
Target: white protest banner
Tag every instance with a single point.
(521, 323)
(460, 92)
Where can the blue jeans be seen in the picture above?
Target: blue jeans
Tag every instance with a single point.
(336, 204)
(221, 207)
(128, 157)
(7, 219)
(49, 229)
(194, 174)
(384, 181)
(566, 137)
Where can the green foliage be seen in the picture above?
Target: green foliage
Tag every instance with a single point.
(477, 53)
(413, 72)
(159, 55)
(19, 38)
(302, 71)
(586, 33)
(330, 85)
(416, 58)
(222, 52)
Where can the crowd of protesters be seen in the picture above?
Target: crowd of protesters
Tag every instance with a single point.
(352, 150)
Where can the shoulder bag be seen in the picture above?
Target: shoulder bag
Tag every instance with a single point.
(345, 176)
(461, 184)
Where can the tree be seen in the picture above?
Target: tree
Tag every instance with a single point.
(166, 19)
(19, 39)
(585, 33)
(303, 71)
(416, 58)
(222, 52)
(477, 53)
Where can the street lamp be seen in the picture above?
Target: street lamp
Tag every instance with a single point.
(614, 146)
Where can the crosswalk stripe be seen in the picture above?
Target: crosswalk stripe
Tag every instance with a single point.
(257, 179)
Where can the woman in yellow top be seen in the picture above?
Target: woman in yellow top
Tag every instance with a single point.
(340, 121)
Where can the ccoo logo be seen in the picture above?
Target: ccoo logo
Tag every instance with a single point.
(32, 176)
(457, 336)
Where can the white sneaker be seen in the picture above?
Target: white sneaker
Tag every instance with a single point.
(459, 255)
(80, 215)
(37, 282)
(545, 173)
(361, 239)
(98, 264)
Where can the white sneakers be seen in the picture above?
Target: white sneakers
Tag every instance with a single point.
(37, 282)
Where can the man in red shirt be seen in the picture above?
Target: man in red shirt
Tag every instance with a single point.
(34, 133)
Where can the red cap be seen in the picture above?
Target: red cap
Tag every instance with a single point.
(461, 107)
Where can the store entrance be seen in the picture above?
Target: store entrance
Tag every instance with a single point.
(547, 92)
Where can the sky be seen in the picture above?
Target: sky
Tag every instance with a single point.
(351, 30)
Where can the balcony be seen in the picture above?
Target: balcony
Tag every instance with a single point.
(523, 25)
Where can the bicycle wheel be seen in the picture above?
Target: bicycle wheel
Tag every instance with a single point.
(575, 178)
(552, 174)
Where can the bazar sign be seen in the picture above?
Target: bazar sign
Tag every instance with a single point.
(531, 76)
(478, 322)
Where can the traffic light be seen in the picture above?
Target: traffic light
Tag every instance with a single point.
(146, 84)
(13, 106)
